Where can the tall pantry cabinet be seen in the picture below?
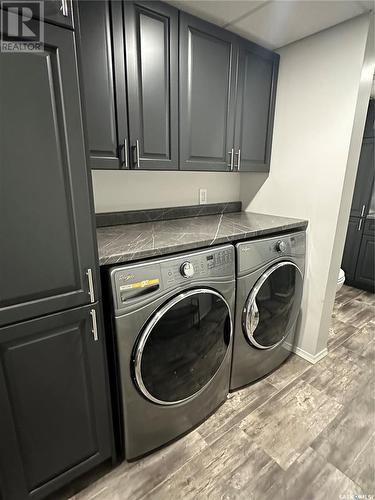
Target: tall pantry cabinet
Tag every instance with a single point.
(54, 408)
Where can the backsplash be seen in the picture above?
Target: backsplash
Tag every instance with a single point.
(119, 190)
(154, 214)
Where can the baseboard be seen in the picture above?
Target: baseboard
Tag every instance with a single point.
(306, 355)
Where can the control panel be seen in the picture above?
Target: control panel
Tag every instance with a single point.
(256, 253)
(136, 282)
(198, 266)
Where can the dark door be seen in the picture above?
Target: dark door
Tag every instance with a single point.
(151, 30)
(47, 242)
(103, 76)
(352, 244)
(183, 346)
(208, 63)
(54, 422)
(364, 180)
(370, 120)
(273, 305)
(255, 107)
(365, 271)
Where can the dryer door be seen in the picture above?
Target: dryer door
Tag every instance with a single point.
(183, 346)
(272, 306)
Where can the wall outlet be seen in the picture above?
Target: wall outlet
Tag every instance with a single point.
(202, 196)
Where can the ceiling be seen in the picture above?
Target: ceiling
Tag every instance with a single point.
(275, 23)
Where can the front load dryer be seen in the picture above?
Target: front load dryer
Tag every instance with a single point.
(268, 299)
(173, 326)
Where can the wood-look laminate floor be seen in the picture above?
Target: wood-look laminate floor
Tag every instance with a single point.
(304, 432)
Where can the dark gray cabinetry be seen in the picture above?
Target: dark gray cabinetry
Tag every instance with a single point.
(198, 96)
(151, 39)
(370, 120)
(59, 12)
(208, 64)
(47, 242)
(365, 272)
(364, 179)
(54, 412)
(53, 418)
(256, 91)
(352, 245)
(358, 257)
(104, 86)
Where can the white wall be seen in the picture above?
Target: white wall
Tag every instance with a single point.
(118, 190)
(311, 177)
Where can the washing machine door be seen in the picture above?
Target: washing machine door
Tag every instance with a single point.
(272, 306)
(183, 346)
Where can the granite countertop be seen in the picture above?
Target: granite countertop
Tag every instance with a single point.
(124, 243)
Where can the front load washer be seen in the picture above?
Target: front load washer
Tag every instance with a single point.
(173, 327)
(268, 299)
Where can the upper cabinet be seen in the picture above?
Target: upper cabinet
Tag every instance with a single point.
(59, 12)
(151, 40)
(164, 90)
(256, 91)
(364, 180)
(103, 79)
(208, 63)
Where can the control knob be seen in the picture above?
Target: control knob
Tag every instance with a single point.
(281, 246)
(187, 270)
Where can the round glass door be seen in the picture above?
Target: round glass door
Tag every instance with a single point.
(272, 306)
(183, 346)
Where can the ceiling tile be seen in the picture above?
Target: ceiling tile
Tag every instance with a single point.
(278, 23)
(220, 12)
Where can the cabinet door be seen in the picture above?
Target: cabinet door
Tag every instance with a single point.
(59, 12)
(351, 249)
(54, 418)
(103, 76)
(257, 79)
(365, 272)
(370, 120)
(208, 61)
(54, 11)
(364, 180)
(46, 234)
(151, 30)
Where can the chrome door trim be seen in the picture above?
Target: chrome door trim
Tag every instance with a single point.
(147, 331)
(250, 313)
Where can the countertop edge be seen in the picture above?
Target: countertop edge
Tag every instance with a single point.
(158, 252)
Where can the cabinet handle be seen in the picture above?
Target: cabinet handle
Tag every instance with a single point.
(363, 210)
(91, 285)
(231, 164)
(360, 224)
(124, 159)
(238, 160)
(94, 329)
(137, 153)
(64, 8)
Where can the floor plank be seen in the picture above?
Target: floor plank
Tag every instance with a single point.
(362, 470)
(290, 421)
(239, 405)
(311, 477)
(345, 438)
(340, 375)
